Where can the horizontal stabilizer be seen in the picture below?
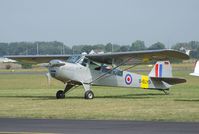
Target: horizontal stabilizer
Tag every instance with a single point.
(171, 81)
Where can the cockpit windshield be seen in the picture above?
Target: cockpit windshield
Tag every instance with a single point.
(73, 59)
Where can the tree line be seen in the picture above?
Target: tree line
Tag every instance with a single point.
(59, 48)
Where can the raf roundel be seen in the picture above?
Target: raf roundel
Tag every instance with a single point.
(128, 79)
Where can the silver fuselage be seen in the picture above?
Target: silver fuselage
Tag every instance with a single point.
(83, 74)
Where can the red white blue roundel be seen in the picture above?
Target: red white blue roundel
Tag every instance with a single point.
(128, 79)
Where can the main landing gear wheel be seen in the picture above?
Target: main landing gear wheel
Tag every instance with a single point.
(89, 95)
(60, 94)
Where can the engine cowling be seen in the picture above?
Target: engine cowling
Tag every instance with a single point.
(56, 63)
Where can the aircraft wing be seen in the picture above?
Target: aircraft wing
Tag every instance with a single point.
(135, 57)
(129, 58)
(35, 59)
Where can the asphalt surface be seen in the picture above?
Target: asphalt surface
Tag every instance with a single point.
(11, 125)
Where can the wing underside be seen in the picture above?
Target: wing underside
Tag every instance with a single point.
(128, 58)
(35, 59)
(136, 57)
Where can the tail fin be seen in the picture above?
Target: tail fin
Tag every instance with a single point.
(196, 70)
(162, 69)
(162, 72)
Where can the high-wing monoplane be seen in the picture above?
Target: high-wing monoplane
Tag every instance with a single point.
(104, 70)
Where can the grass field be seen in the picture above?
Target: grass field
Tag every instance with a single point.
(28, 96)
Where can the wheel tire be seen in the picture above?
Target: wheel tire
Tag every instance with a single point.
(60, 94)
(89, 95)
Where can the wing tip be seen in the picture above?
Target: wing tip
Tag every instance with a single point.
(178, 54)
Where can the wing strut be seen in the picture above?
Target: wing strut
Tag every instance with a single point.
(103, 75)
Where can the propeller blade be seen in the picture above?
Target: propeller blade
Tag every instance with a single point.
(48, 76)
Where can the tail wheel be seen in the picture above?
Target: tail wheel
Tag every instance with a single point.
(60, 94)
(89, 95)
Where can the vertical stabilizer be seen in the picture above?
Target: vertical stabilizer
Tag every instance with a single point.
(162, 69)
(196, 69)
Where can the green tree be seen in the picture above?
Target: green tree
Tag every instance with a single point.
(76, 49)
(108, 47)
(157, 46)
(112, 47)
(99, 47)
(137, 46)
(30, 48)
(124, 48)
(4, 49)
(192, 45)
(86, 48)
(179, 46)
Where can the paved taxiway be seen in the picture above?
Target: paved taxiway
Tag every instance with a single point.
(8, 125)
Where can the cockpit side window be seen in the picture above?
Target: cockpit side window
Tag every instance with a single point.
(106, 69)
(110, 70)
(117, 72)
(85, 62)
(73, 59)
(95, 66)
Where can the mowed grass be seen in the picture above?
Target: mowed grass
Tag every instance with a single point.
(28, 96)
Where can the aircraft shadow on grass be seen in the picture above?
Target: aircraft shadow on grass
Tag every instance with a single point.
(31, 97)
(130, 96)
(126, 96)
(187, 100)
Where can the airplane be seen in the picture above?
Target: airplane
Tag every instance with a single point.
(6, 60)
(196, 69)
(103, 70)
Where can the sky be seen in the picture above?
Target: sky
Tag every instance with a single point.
(76, 22)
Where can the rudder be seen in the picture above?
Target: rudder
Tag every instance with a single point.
(161, 69)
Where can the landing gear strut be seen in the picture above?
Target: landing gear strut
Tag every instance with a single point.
(61, 93)
(87, 87)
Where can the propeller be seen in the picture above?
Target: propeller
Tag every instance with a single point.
(48, 76)
(52, 63)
